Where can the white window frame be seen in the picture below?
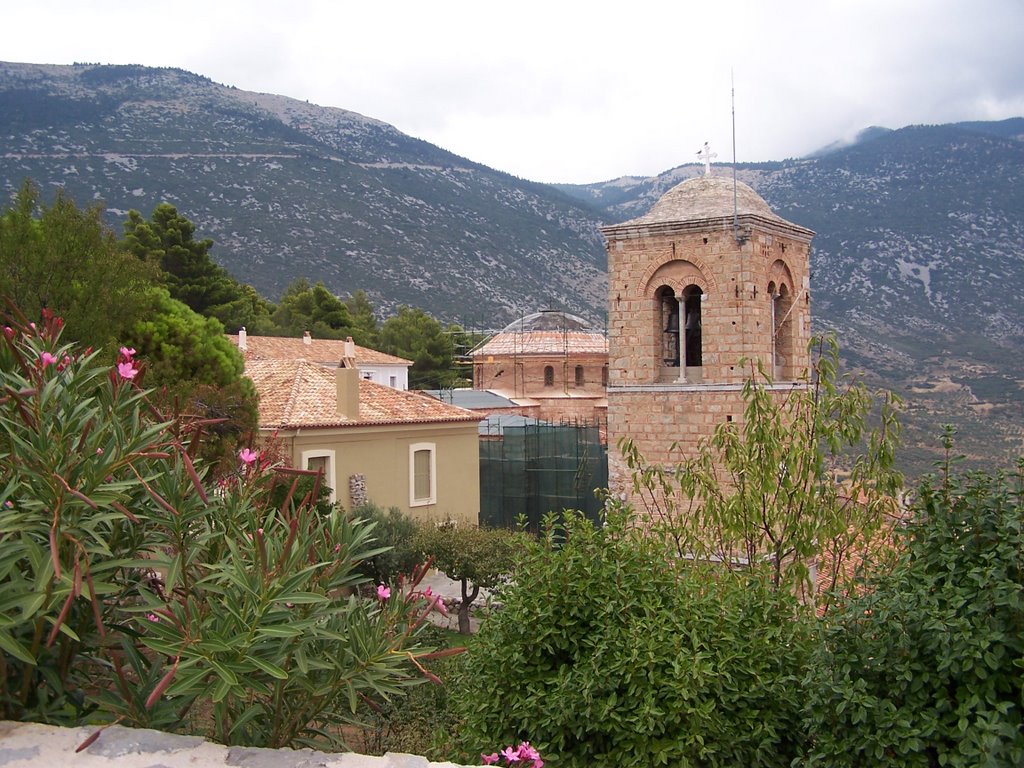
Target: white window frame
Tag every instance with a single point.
(330, 474)
(432, 498)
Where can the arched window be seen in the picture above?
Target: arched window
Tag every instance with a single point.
(692, 342)
(549, 376)
(668, 324)
(604, 376)
(782, 331)
(579, 376)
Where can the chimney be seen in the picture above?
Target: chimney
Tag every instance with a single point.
(348, 358)
(306, 338)
(347, 381)
(241, 339)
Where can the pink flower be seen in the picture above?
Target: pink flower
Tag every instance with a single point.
(383, 593)
(427, 593)
(47, 359)
(127, 370)
(247, 456)
(127, 353)
(526, 752)
(510, 754)
(152, 617)
(490, 759)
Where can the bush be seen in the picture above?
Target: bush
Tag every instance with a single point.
(473, 556)
(924, 667)
(606, 653)
(395, 536)
(422, 720)
(130, 592)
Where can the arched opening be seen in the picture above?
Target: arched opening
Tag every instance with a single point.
(549, 376)
(692, 351)
(579, 376)
(782, 331)
(668, 326)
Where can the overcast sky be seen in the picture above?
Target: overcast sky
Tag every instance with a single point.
(565, 91)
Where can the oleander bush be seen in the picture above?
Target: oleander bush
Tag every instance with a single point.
(133, 589)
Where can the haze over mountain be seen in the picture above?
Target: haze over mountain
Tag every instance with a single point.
(918, 263)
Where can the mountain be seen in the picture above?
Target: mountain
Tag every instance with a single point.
(289, 189)
(918, 263)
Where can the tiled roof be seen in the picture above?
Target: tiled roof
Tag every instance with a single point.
(544, 343)
(297, 393)
(704, 199)
(317, 350)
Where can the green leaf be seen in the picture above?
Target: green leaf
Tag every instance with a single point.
(271, 669)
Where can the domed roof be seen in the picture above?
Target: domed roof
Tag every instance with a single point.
(548, 320)
(706, 197)
(545, 333)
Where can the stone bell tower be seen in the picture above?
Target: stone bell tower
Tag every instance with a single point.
(709, 276)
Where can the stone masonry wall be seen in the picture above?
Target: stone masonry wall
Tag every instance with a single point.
(655, 417)
(31, 745)
(736, 311)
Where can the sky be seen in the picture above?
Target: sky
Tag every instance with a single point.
(575, 92)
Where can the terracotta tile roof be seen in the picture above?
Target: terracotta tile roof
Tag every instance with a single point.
(317, 350)
(544, 343)
(297, 393)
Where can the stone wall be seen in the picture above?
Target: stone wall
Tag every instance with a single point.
(736, 308)
(31, 745)
(657, 416)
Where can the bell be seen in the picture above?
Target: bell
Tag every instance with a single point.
(672, 325)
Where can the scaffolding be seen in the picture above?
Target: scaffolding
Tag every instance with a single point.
(535, 468)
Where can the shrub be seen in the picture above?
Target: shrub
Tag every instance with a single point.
(606, 653)
(395, 535)
(924, 668)
(473, 556)
(129, 592)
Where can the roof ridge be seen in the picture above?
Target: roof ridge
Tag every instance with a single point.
(293, 395)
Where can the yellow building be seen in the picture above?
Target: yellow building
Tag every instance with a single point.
(372, 442)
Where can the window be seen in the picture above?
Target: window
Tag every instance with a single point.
(668, 315)
(782, 330)
(422, 474)
(549, 376)
(692, 341)
(604, 376)
(393, 382)
(579, 376)
(321, 461)
(366, 375)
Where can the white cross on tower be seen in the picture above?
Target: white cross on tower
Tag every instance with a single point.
(705, 156)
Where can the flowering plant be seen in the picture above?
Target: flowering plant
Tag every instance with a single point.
(240, 603)
(523, 756)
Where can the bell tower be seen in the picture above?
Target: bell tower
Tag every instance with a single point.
(709, 276)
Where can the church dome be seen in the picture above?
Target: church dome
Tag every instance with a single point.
(706, 197)
(548, 320)
(545, 333)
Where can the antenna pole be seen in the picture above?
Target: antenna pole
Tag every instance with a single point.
(735, 213)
